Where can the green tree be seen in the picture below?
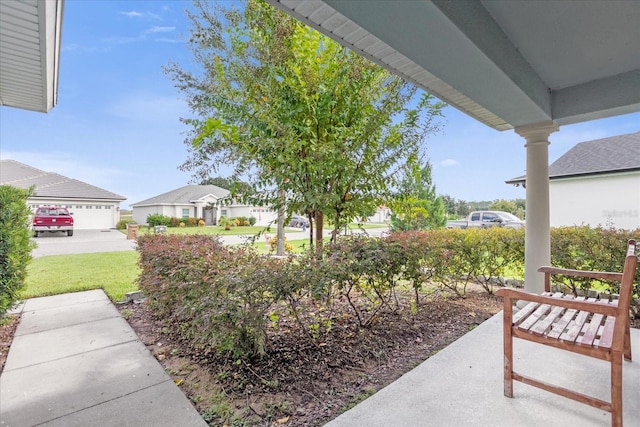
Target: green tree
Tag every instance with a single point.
(510, 206)
(302, 115)
(417, 206)
(234, 186)
(15, 244)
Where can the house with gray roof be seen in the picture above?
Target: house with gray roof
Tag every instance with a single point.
(92, 207)
(596, 183)
(208, 202)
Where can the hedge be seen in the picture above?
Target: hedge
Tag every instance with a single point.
(15, 244)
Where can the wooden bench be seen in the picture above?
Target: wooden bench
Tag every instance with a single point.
(592, 327)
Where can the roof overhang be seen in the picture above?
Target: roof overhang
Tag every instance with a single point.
(506, 63)
(30, 40)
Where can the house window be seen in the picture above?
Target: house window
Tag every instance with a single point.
(108, 207)
(88, 207)
(98, 207)
(78, 206)
(223, 212)
(185, 213)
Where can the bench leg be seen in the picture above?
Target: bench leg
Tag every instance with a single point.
(616, 389)
(508, 348)
(627, 342)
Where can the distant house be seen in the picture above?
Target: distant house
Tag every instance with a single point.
(92, 207)
(208, 202)
(596, 183)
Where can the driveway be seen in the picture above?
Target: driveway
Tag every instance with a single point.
(91, 241)
(82, 241)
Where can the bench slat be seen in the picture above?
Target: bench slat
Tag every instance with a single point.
(575, 326)
(542, 326)
(560, 326)
(525, 311)
(591, 330)
(606, 337)
(534, 317)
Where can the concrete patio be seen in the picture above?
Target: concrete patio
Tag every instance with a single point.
(462, 386)
(75, 361)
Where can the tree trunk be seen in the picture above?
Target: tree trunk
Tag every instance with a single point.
(319, 242)
(280, 241)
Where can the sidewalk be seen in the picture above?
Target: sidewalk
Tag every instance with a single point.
(462, 385)
(75, 361)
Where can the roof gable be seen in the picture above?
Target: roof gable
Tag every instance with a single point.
(616, 153)
(185, 195)
(50, 185)
(606, 155)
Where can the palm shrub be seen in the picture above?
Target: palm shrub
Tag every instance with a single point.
(15, 243)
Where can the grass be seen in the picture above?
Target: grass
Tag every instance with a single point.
(218, 231)
(115, 272)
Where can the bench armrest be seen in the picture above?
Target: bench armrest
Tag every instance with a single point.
(598, 275)
(510, 294)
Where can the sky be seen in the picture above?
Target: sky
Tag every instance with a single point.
(116, 125)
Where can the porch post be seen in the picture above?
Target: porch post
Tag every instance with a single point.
(537, 243)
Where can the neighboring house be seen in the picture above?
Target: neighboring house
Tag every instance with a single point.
(596, 183)
(383, 214)
(190, 201)
(92, 207)
(208, 202)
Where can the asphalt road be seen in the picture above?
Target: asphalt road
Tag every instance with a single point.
(82, 241)
(91, 241)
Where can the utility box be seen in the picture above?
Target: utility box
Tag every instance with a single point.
(132, 231)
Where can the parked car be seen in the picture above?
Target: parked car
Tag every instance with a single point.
(52, 218)
(488, 219)
(298, 221)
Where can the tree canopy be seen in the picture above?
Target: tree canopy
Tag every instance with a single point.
(418, 207)
(298, 114)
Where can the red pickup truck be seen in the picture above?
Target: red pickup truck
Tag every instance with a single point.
(52, 218)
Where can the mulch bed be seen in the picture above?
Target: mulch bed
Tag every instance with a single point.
(300, 382)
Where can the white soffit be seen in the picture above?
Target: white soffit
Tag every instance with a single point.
(30, 39)
(506, 63)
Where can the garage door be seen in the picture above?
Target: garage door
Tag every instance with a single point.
(92, 217)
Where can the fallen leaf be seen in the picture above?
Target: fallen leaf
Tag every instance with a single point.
(282, 420)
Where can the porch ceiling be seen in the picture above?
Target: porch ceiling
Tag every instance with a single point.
(506, 63)
(30, 37)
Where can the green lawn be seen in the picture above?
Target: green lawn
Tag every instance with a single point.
(115, 272)
(214, 230)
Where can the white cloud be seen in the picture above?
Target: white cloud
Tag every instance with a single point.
(157, 29)
(132, 14)
(449, 162)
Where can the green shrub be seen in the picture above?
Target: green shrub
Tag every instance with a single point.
(223, 300)
(158, 219)
(217, 297)
(15, 244)
(122, 224)
(252, 221)
(174, 222)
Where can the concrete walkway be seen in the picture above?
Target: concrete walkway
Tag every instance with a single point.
(462, 386)
(75, 361)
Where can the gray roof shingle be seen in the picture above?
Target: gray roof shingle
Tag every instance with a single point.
(185, 195)
(614, 154)
(50, 185)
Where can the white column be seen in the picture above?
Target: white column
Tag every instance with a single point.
(537, 250)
